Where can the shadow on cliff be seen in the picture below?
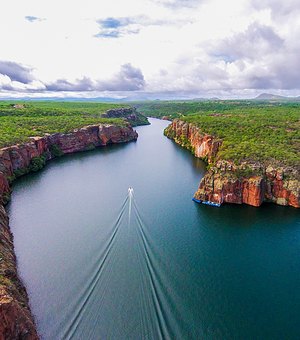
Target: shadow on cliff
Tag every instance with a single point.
(199, 166)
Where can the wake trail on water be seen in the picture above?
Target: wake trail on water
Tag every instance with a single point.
(143, 304)
(166, 297)
(101, 261)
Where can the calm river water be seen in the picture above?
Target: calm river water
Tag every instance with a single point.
(99, 266)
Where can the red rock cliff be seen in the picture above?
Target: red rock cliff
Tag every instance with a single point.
(19, 157)
(189, 136)
(16, 321)
(225, 182)
(15, 318)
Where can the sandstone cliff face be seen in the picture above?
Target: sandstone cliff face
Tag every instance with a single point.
(189, 136)
(16, 321)
(225, 182)
(15, 318)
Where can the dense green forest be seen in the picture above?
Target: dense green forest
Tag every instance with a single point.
(255, 134)
(52, 108)
(20, 120)
(176, 108)
(250, 130)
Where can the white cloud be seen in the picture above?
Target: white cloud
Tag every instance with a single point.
(172, 46)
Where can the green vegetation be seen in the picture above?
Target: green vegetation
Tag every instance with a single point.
(5, 198)
(5, 281)
(269, 134)
(21, 120)
(56, 151)
(246, 172)
(250, 130)
(177, 109)
(186, 144)
(51, 108)
(37, 163)
(141, 120)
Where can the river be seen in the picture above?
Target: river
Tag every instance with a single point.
(169, 268)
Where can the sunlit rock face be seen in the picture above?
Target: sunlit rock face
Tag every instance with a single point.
(250, 183)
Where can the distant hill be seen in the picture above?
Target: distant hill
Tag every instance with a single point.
(269, 96)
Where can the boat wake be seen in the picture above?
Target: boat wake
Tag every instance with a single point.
(129, 292)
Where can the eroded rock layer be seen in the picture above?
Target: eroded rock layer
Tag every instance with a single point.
(16, 321)
(225, 182)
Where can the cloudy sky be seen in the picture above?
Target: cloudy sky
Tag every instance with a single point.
(149, 48)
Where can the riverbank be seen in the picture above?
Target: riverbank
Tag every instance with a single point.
(249, 182)
(16, 320)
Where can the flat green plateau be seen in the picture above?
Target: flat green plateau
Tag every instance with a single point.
(21, 120)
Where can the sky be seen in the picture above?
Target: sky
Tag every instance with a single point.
(149, 49)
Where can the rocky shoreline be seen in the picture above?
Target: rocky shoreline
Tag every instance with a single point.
(16, 321)
(250, 183)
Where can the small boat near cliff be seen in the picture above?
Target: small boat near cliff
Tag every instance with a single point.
(213, 204)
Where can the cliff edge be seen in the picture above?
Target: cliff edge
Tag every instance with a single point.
(226, 182)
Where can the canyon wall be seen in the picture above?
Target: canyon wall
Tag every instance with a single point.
(16, 321)
(225, 182)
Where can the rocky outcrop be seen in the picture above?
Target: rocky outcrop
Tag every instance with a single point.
(189, 136)
(130, 114)
(18, 106)
(228, 183)
(225, 182)
(16, 321)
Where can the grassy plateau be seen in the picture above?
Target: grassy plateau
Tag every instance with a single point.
(21, 120)
(265, 131)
